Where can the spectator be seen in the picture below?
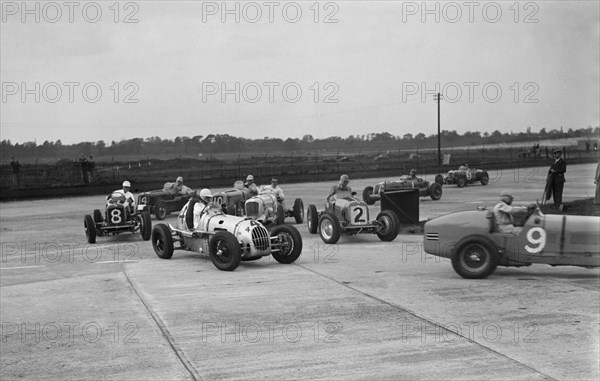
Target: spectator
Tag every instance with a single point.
(91, 166)
(252, 188)
(556, 179)
(597, 182)
(16, 172)
(503, 213)
(84, 169)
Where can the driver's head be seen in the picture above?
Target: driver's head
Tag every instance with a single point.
(506, 196)
(206, 195)
(126, 186)
(413, 172)
(344, 180)
(250, 179)
(179, 180)
(274, 182)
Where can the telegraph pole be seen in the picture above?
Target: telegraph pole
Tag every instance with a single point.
(438, 99)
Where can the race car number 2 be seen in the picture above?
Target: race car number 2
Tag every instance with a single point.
(536, 237)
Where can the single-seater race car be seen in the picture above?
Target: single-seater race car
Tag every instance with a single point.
(344, 213)
(227, 239)
(162, 202)
(264, 207)
(472, 241)
(464, 176)
(426, 189)
(118, 218)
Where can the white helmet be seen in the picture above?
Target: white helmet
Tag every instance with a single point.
(126, 184)
(206, 195)
(250, 178)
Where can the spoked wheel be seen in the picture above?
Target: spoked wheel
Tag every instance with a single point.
(461, 182)
(485, 178)
(160, 210)
(329, 228)
(367, 192)
(475, 260)
(435, 191)
(289, 242)
(439, 179)
(224, 250)
(390, 225)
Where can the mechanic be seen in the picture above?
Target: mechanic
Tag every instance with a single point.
(196, 207)
(503, 213)
(556, 179)
(252, 188)
(413, 174)
(129, 199)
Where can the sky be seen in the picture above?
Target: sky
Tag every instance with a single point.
(106, 70)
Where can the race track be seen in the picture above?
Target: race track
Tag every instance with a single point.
(360, 309)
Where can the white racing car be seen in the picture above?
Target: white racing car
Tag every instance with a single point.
(227, 239)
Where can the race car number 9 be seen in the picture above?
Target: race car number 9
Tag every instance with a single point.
(115, 216)
(538, 242)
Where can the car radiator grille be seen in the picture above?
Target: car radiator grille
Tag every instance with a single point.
(433, 236)
(260, 238)
(252, 209)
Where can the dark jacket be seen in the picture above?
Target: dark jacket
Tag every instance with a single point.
(560, 168)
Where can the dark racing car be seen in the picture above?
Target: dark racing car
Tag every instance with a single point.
(426, 189)
(162, 202)
(464, 175)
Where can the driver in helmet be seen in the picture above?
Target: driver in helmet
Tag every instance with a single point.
(194, 209)
(123, 195)
(413, 174)
(252, 188)
(503, 213)
(342, 186)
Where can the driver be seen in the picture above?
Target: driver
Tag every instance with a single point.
(274, 187)
(463, 167)
(503, 213)
(196, 207)
(342, 186)
(129, 199)
(177, 188)
(252, 188)
(413, 174)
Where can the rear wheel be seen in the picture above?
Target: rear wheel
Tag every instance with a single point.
(160, 210)
(485, 178)
(367, 192)
(461, 182)
(475, 259)
(145, 225)
(290, 243)
(90, 228)
(224, 250)
(390, 225)
(329, 228)
(435, 191)
(312, 219)
(299, 211)
(439, 179)
(162, 241)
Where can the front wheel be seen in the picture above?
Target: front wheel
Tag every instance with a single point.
(312, 219)
(389, 225)
(299, 211)
(98, 216)
(329, 228)
(224, 250)
(367, 192)
(289, 241)
(461, 182)
(145, 225)
(162, 241)
(475, 260)
(90, 228)
(160, 210)
(485, 178)
(435, 191)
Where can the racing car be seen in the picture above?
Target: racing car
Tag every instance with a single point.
(472, 241)
(464, 176)
(433, 190)
(162, 202)
(264, 207)
(117, 218)
(344, 213)
(228, 239)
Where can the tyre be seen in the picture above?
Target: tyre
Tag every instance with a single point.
(475, 259)
(90, 228)
(367, 192)
(312, 219)
(461, 181)
(224, 250)
(145, 225)
(162, 241)
(98, 216)
(390, 225)
(290, 242)
(280, 215)
(299, 211)
(160, 210)
(439, 179)
(485, 178)
(231, 210)
(435, 191)
(329, 228)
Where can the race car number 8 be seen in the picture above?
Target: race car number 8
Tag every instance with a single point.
(115, 216)
(539, 242)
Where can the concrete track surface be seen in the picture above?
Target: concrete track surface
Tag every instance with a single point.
(360, 309)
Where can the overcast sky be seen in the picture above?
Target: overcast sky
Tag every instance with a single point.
(327, 69)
